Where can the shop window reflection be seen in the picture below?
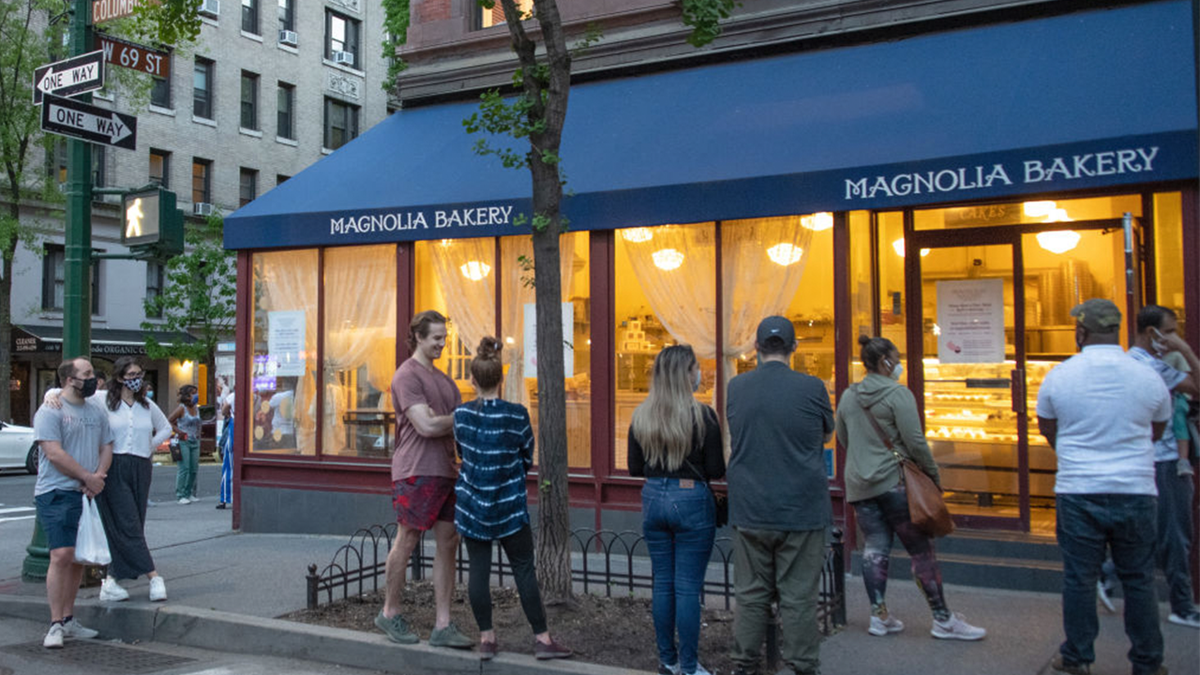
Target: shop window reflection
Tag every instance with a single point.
(665, 294)
(360, 350)
(517, 317)
(283, 375)
(1168, 252)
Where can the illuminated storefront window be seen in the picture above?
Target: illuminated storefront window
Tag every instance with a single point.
(360, 350)
(284, 365)
(457, 277)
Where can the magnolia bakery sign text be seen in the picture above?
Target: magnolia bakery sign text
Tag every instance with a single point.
(437, 219)
(983, 176)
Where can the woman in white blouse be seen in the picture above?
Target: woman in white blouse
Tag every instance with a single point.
(138, 427)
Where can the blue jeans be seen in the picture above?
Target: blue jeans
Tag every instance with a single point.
(1175, 533)
(679, 526)
(1127, 525)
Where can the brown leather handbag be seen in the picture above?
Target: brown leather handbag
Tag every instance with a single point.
(926, 507)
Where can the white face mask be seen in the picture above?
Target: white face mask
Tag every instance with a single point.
(696, 384)
(896, 372)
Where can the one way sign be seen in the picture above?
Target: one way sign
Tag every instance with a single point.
(69, 76)
(69, 117)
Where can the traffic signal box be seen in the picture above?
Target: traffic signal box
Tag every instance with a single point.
(152, 228)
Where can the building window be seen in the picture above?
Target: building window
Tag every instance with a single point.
(341, 38)
(160, 92)
(287, 15)
(247, 186)
(99, 168)
(250, 16)
(249, 100)
(56, 163)
(155, 278)
(280, 179)
(486, 18)
(54, 279)
(202, 89)
(201, 181)
(160, 167)
(341, 123)
(286, 103)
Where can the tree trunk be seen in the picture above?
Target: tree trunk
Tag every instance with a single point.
(6, 269)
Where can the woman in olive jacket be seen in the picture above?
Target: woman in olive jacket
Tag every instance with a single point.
(875, 489)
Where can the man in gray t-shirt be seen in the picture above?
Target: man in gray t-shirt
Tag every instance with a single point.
(76, 451)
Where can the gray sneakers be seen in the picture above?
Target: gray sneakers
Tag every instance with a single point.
(450, 637)
(396, 629)
(955, 628)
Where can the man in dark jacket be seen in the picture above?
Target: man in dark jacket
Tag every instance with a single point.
(779, 422)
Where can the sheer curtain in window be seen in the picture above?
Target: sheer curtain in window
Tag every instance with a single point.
(465, 272)
(287, 280)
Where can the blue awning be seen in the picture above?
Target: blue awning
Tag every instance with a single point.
(1092, 99)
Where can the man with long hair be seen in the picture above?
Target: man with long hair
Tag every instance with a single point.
(423, 477)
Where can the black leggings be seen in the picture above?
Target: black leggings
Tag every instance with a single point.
(519, 549)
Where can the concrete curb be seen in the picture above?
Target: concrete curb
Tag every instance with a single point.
(238, 633)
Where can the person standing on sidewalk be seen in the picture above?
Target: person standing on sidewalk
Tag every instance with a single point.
(225, 495)
(423, 477)
(779, 422)
(1157, 336)
(138, 427)
(1101, 411)
(675, 442)
(874, 487)
(76, 452)
(185, 420)
(495, 441)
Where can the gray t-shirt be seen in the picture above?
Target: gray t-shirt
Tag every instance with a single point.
(778, 420)
(81, 429)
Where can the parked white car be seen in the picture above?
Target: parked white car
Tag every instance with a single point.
(17, 449)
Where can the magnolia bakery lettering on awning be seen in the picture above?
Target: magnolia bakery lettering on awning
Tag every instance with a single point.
(1054, 172)
(445, 220)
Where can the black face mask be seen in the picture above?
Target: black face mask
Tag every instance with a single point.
(88, 388)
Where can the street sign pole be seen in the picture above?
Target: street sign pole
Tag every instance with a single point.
(77, 307)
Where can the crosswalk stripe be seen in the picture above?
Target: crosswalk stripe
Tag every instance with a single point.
(8, 520)
(16, 509)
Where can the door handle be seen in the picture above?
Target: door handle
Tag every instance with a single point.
(1019, 405)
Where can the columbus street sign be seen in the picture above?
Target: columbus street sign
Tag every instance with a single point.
(70, 76)
(68, 117)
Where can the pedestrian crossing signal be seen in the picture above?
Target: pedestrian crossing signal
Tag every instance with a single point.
(152, 228)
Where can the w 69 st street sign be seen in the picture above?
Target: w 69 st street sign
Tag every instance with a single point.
(68, 117)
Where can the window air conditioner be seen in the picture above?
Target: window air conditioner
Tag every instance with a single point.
(345, 58)
(211, 8)
(287, 37)
(202, 209)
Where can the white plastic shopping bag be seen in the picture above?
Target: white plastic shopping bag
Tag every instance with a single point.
(91, 544)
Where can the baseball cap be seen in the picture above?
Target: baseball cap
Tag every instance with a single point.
(1098, 315)
(776, 327)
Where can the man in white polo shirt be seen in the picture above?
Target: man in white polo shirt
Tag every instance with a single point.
(1101, 411)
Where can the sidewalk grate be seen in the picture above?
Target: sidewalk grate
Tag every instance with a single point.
(104, 656)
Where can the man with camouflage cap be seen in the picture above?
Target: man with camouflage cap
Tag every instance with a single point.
(1101, 411)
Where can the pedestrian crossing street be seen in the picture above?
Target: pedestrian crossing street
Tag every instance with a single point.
(10, 513)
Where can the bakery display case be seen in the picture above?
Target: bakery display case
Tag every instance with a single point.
(972, 431)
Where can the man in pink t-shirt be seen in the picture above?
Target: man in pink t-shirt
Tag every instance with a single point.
(423, 477)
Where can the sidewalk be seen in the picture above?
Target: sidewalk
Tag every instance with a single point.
(225, 587)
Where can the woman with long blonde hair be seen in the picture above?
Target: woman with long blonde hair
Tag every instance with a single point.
(675, 442)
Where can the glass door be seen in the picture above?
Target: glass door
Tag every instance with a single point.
(972, 381)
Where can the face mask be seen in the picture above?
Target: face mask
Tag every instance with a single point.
(134, 385)
(150, 394)
(896, 371)
(195, 399)
(696, 384)
(88, 388)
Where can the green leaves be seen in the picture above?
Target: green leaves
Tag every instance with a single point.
(396, 19)
(169, 22)
(704, 16)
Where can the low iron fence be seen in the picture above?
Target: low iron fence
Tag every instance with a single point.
(603, 562)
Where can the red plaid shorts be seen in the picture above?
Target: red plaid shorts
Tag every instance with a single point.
(420, 501)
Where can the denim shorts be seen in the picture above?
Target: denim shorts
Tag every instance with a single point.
(59, 512)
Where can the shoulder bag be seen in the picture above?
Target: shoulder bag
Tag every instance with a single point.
(926, 508)
(720, 501)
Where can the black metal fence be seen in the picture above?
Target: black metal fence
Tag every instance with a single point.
(602, 563)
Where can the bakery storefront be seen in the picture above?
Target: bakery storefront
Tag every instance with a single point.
(956, 192)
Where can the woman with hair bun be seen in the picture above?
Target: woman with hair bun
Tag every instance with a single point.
(874, 487)
(495, 441)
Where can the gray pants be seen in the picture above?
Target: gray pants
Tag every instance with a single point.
(770, 565)
(122, 507)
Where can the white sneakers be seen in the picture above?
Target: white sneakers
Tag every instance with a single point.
(158, 589)
(54, 636)
(1192, 620)
(111, 591)
(955, 628)
(880, 627)
(184, 500)
(1104, 598)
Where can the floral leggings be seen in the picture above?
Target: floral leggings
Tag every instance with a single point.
(881, 519)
